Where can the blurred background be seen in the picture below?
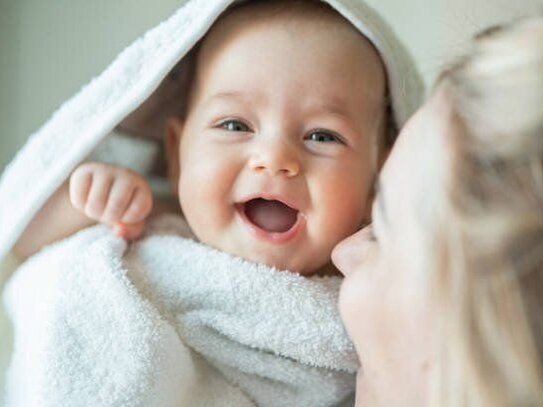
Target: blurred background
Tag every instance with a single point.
(50, 48)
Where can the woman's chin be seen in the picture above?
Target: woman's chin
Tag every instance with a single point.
(364, 395)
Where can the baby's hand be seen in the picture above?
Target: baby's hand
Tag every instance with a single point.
(112, 195)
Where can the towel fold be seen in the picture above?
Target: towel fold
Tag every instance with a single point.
(168, 321)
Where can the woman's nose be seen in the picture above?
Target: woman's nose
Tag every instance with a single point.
(351, 252)
(275, 157)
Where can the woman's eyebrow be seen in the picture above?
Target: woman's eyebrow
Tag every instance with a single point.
(380, 199)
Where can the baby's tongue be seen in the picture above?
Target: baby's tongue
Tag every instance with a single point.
(272, 216)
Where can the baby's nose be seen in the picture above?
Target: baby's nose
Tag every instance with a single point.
(275, 158)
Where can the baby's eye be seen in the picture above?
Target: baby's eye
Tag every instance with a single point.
(234, 125)
(321, 136)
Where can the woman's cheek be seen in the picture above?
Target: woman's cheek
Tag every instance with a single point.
(349, 303)
(357, 303)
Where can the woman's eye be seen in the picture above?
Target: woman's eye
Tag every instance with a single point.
(369, 233)
(324, 137)
(234, 125)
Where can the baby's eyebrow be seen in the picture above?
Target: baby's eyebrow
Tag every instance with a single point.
(331, 107)
(229, 95)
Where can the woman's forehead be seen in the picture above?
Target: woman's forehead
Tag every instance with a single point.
(415, 173)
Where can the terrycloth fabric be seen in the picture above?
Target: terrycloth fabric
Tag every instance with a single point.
(7, 266)
(139, 89)
(168, 321)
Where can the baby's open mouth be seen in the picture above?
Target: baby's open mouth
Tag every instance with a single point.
(270, 215)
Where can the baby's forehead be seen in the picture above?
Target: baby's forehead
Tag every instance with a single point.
(311, 28)
(311, 24)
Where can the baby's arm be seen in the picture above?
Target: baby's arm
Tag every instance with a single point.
(95, 192)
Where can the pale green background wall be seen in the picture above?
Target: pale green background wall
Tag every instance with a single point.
(50, 48)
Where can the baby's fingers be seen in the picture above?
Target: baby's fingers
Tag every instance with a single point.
(140, 206)
(98, 196)
(79, 188)
(129, 232)
(120, 195)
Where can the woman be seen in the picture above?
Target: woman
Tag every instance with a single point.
(444, 297)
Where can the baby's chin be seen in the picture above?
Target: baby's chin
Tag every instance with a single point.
(288, 258)
(282, 263)
(277, 261)
(272, 258)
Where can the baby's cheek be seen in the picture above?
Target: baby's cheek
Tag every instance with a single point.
(204, 195)
(345, 210)
(345, 185)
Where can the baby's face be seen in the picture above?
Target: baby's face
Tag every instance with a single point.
(280, 144)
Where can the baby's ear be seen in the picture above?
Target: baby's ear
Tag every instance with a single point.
(172, 138)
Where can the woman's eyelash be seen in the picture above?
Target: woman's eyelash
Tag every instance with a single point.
(324, 136)
(370, 233)
(371, 236)
(234, 125)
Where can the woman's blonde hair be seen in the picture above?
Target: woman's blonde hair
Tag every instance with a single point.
(490, 279)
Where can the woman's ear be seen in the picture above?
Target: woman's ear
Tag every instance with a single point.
(172, 139)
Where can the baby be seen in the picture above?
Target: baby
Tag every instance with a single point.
(274, 158)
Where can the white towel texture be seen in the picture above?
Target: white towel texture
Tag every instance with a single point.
(167, 321)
